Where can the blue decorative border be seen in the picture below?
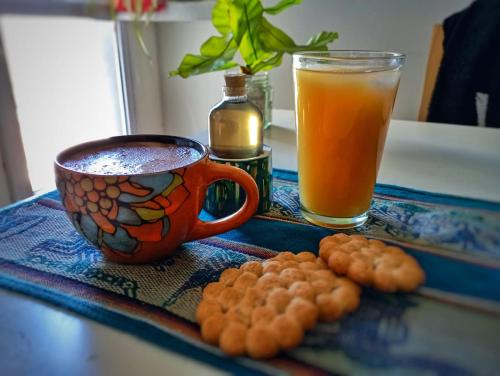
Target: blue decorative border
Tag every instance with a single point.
(413, 194)
(444, 273)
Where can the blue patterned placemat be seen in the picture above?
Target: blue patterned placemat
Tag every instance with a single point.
(457, 312)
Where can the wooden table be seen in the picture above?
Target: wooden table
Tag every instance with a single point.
(38, 338)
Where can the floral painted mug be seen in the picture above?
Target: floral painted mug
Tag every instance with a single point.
(137, 198)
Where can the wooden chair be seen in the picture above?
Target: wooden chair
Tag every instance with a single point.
(433, 63)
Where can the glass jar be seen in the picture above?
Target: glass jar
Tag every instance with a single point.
(260, 93)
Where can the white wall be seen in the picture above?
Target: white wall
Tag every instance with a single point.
(399, 25)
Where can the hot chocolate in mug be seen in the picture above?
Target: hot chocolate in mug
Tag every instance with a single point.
(137, 198)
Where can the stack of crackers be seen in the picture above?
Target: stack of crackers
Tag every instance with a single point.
(264, 307)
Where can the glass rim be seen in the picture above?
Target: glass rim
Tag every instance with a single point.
(350, 55)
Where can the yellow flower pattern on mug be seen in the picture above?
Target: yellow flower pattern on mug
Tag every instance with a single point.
(119, 212)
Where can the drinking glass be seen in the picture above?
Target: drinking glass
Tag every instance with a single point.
(343, 103)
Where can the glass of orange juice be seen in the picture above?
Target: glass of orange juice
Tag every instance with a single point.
(343, 103)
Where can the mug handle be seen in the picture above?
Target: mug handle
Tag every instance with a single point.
(216, 171)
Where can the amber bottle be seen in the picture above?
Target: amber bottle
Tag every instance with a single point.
(235, 124)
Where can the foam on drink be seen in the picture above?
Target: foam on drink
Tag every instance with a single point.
(131, 158)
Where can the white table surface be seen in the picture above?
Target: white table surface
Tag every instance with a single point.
(37, 338)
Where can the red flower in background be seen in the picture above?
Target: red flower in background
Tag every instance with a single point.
(147, 5)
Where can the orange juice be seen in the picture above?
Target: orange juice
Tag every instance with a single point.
(342, 121)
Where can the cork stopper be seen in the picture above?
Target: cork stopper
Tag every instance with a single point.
(235, 84)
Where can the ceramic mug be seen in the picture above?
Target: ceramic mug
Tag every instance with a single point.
(142, 217)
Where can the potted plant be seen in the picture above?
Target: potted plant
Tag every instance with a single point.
(243, 28)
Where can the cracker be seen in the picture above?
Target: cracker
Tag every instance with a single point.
(262, 308)
(371, 263)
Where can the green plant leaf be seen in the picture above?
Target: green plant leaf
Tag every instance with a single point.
(266, 64)
(320, 41)
(195, 64)
(274, 39)
(252, 9)
(251, 17)
(281, 6)
(250, 47)
(221, 16)
(252, 50)
(243, 28)
(236, 16)
(215, 46)
(216, 54)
